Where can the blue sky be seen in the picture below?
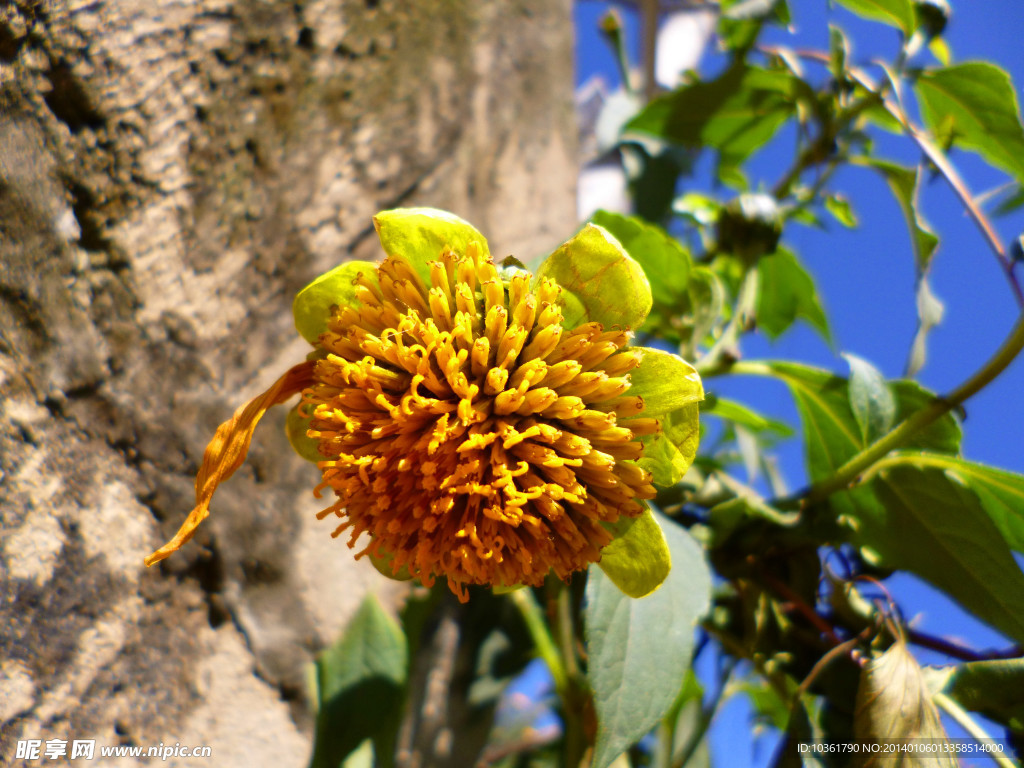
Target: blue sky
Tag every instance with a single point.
(866, 280)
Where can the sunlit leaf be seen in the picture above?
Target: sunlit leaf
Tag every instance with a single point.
(419, 235)
(904, 183)
(932, 524)
(734, 114)
(313, 304)
(841, 210)
(741, 414)
(638, 560)
(611, 288)
(871, 400)
(896, 13)
(981, 102)
(639, 650)
(787, 292)
(296, 427)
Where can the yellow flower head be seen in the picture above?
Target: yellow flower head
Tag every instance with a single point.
(466, 428)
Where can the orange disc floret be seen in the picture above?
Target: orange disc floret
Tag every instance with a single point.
(467, 432)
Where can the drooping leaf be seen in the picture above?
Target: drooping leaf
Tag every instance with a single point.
(313, 304)
(928, 522)
(904, 183)
(639, 650)
(638, 560)
(360, 683)
(786, 292)
(594, 268)
(995, 689)
(895, 13)
(978, 102)
(734, 114)
(929, 314)
(419, 235)
(871, 400)
(893, 704)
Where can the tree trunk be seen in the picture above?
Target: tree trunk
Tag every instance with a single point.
(170, 174)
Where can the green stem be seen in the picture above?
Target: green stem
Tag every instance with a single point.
(970, 725)
(533, 616)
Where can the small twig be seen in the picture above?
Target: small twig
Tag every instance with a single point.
(819, 666)
(956, 650)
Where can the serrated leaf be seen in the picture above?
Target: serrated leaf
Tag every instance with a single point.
(928, 522)
(894, 703)
(610, 287)
(360, 683)
(995, 689)
(734, 114)
(904, 184)
(313, 305)
(980, 102)
(638, 560)
(871, 400)
(787, 292)
(639, 650)
(895, 13)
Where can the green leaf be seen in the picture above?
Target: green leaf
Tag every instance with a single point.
(639, 650)
(738, 413)
(420, 235)
(993, 688)
(981, 102)
(638, 559)
(831, 433)
(671, 389)
(315, 303)
(735, 114)
(871, 400)
(841, 210)
(296, 427)
(904, 183)
(1001, 493)
(895, 13)
(786, 292)
(930, 523)
(611, 288)
(360, 684)
(894, 703)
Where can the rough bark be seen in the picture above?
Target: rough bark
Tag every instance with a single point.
(170, 174)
